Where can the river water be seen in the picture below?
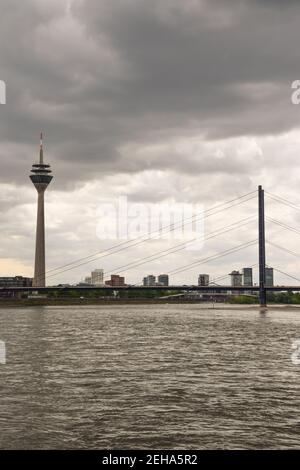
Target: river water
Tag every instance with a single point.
(149, 377)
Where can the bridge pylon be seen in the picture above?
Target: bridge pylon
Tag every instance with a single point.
(262, 247)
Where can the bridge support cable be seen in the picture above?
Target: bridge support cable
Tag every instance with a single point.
(181, 246)
(169, 228)
(286, 274)
(282, 200)
(178, 247)
(294, 253)
(139, 240)
(283, 225)
(214, 257)
(210, 258)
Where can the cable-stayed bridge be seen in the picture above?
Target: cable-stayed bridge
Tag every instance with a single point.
(260, 242)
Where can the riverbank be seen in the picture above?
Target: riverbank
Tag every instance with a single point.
(109, 302)
(80, 302)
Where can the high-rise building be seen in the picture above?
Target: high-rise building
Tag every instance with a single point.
(149, 281)
(247, 277)
(203, 280)
(236, 279)
(163, 280)
(41, 178)
(116, 281)
(97, 277)
(269, 281)
(88, 280)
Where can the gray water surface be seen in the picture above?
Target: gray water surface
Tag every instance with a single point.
(149, 376)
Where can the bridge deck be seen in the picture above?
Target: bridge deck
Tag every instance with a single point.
(203, 289)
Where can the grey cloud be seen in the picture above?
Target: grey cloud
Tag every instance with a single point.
(117, 86)
(112, 73)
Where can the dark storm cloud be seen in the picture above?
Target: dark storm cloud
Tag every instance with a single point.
(99, 76)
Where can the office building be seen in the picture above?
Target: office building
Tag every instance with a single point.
(97, 277)
(236, 279)
(203, 280)
(115, 281)
(163, 280)
(247, 277)
(269, 281)
(149, 281)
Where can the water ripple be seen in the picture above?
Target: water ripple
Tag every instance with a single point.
(168, 376)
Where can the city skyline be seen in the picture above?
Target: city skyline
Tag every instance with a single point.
(97, 277)
(152, 123)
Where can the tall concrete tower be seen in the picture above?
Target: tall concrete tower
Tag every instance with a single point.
(41, 178)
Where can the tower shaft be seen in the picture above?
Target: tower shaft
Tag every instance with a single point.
(39, 279)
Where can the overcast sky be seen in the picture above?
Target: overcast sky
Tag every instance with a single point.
(158, 100)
